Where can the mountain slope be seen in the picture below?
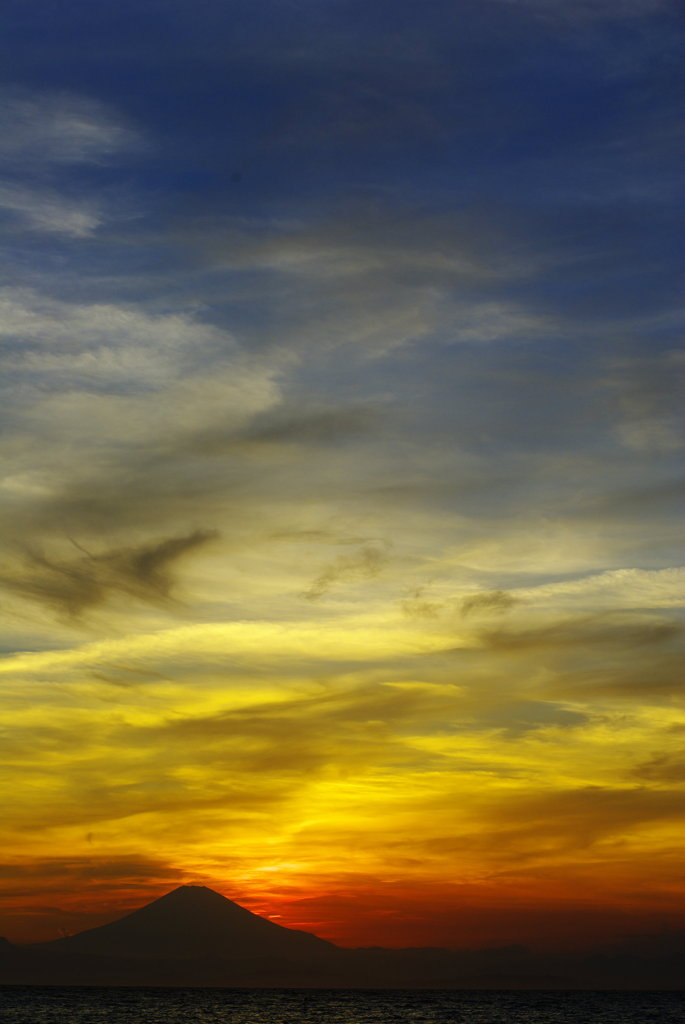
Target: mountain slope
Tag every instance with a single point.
(193, 921)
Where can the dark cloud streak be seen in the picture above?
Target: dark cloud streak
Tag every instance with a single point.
(366, 564)
(72, 587)
(491, 602)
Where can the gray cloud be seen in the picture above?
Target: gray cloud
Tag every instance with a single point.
(651, 672)
(516, 717)
(322, 426)
(661, 499)
(603, 630)
(70, 587)
(646, 391)
(365, 564)
(286, 426)
(662, 768)
(416, 606)
(488, 603)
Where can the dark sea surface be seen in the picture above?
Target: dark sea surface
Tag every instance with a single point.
(55, 1005)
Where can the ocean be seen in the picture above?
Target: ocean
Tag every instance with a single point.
(56, 1005)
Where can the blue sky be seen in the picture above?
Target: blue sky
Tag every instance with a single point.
(341, 359)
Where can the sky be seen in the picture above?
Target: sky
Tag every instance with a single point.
(341, 561)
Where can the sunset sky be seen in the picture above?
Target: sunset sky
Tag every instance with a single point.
(341, 527)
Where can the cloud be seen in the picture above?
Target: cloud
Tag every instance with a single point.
(101, 346)
(652, 675)
(662, 768)
(43, 137)
(436, 309)
(59, 128)
(366, 564)
(577, 599)
(604, 630)
(493, 601)
(645, 390)
(417, 606)
(580, 817)
(372, 278)
(42, 209)
(73, 587)
(374, 241)
(490, 602)
(56, 872)
(617, 588)
(100, 403)
(285, 425)
(528, 834)
(54, 896)
(318, 426)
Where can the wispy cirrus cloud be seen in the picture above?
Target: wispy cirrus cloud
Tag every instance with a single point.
(46, 210)
(59, 128)
(44, 136)
(102, 346)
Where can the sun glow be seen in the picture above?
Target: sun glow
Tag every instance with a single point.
(340, 537)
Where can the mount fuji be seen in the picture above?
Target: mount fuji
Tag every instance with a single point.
(193, 936)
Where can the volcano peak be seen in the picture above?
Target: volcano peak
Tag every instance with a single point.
(194, 921)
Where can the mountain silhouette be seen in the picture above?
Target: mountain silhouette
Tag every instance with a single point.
(193, 936)
(193, 921)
